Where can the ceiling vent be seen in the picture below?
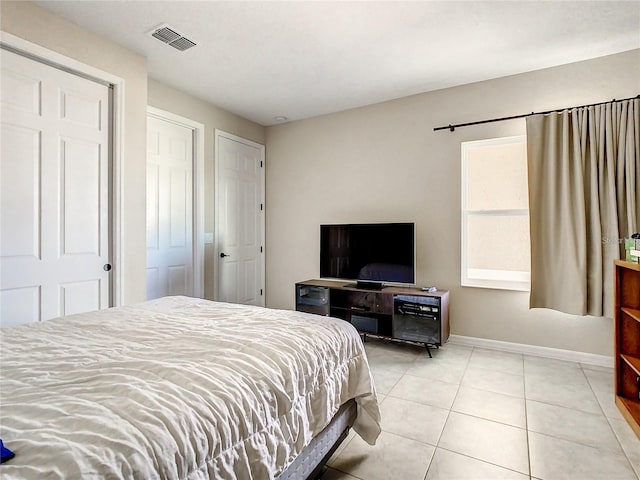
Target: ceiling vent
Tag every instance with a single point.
(170, 36)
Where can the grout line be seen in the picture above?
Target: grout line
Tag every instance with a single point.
(526, 416)
(444, 425)
(449, 414)
(342, 471)
(491, 420)
(624, 451)
(485, 461)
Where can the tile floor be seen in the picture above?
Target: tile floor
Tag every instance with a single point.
(472, 413)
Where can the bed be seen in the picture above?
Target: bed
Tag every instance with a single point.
(181, 388)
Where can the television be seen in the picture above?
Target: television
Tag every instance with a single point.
(372, 254)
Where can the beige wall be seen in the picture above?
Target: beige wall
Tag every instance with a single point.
(385, 163)
(32, 23)
(172, 100)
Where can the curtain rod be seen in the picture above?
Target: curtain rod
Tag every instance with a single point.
(453, 127)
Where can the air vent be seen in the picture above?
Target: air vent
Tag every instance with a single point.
(182, 44)
(170, 36)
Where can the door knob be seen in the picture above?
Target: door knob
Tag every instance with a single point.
(222, 255)
(106, 267)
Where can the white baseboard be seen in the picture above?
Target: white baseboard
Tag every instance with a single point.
(534, 350)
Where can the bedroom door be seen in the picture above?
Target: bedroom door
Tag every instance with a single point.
(54, 201)
(240, 245)
(171, 268)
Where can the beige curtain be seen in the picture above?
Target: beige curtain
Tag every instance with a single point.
(584, 199)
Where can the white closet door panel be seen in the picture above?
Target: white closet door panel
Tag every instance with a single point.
(249, 288)
(80, 189)
(19, 305)
(250, 224)
(79, 297)
(21, 92)
(54, 206)
(153, 207)
(169, 208)
(178, 283)
(179, 148)
(228, 291)
(153, 283)
(178, 200)
(232, 213)
(81, 109)
(20, 192)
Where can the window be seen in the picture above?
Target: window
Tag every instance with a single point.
(495, 214)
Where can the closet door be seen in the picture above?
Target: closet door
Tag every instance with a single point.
(240, 220)
(169, 208)
(54, 192)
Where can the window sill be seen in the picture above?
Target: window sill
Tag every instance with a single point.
(496, 279)
(496, 285)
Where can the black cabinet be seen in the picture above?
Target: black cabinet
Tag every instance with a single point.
(312, 299)
(396, 313)
(417, 318)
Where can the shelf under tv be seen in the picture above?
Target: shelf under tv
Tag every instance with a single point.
(406, 314)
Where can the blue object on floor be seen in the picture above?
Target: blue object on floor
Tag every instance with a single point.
(5, 453)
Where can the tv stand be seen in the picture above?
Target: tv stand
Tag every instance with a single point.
(367, 285)
(405, 314)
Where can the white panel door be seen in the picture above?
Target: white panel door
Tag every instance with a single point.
(169, 209)
(240, 220)
(54, 192)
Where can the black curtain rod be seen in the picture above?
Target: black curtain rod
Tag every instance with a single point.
(453, 127)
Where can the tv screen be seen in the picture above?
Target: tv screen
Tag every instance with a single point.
(374, 252)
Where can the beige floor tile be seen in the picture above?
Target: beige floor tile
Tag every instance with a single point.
(542, 365)
(425, 390)
(399, 360)
(492, 442)
(417, 421)
(608, 404)
(557, 371)
(448, 465)
(438, 370)
(494, 381)
(491, 406)
(556, 459)
(600, 380)
(629, 441)
(452, 353)
(569, 424)
(579, 397)
(385, 379)
(393, 457)
(499, 361)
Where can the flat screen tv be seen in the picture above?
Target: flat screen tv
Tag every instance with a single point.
(372, 254)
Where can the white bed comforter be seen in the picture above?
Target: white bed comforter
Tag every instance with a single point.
(176, 388)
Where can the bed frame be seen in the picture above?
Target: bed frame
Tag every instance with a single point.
(311, 461)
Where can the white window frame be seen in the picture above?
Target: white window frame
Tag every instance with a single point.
(487, 278)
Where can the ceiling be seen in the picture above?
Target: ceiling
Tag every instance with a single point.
(263, 60)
